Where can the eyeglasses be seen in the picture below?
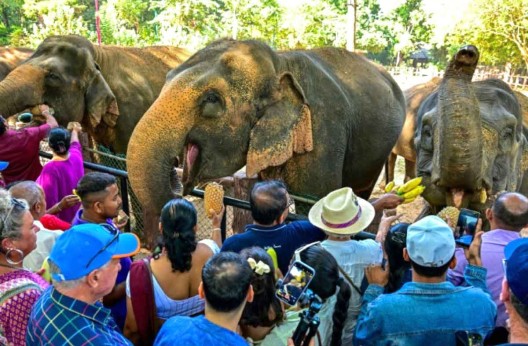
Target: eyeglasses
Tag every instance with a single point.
(14, 203)
(297, 253)
(113, 230)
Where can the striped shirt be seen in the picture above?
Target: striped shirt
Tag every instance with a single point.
(60, 320)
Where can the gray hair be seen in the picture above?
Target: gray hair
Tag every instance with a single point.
(11, 215)
(67, 284)
(28, 190)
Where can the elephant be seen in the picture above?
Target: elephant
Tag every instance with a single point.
(469, 139)
(405, 145)
(91, 84)
(11, 58)
(317, 119)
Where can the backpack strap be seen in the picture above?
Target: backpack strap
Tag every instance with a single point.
(349, 280)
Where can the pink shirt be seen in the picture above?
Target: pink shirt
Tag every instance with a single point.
(21, 149)
(59, 178)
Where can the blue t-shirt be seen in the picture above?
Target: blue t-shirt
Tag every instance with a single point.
(190, 331)
(283, 238)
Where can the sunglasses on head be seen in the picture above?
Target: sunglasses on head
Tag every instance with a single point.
(297, 253)
(14, 203)
(113, 230)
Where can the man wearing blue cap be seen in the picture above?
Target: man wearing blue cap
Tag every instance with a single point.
(83, 265)
(428, 310)
(515, 290)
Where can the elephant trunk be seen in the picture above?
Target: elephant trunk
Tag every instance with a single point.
(458, 141)
(153, 150)
(22, 88)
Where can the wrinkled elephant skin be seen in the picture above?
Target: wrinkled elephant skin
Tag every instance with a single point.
(318, 119)
(106, 88)
(10, 58)
(469, 138)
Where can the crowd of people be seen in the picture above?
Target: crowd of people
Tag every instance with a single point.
(68, 275)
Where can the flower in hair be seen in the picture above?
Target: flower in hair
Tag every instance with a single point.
(260, 268)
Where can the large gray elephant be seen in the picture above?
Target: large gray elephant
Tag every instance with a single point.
(469, 138)
(106, 88)
(318, 119)
(10, 58)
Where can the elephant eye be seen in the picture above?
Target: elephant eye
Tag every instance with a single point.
(426, 142)
(212, 105)
(53, 76)
(506, 140)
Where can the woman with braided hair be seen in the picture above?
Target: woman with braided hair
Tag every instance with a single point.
(167, 284)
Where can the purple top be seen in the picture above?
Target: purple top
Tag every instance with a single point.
(119, 309)
(59, 178)
(492, 253)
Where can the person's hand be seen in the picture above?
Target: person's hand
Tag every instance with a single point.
(376, 275)
(68, 201)
(388, 201)
(121, 220)
(385, 225)
(291, 343)
(216, 218)
(47, 113)
(44, 110)
(473, 252)
(74, 126)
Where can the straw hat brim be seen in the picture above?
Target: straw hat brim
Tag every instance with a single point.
(367, 215)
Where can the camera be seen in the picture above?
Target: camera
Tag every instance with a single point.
(294, 289)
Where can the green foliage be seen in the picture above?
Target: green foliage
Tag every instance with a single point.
(499, 28)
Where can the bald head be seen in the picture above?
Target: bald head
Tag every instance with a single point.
(33, 194)
(510, 211)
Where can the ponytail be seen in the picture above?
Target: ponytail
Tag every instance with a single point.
(340, 311)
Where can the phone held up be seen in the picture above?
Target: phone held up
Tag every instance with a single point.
(466, 227)
(291, 288)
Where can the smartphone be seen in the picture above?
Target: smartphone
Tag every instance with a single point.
(295, 282)
(466, 226)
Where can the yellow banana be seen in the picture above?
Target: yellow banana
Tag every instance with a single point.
(408, 200)
(408, 186)
(414, 192)
(483, 196)
(389, 186)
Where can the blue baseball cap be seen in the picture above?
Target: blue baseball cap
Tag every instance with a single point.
(87, 247)
(516, 255)
(430, 242)
(3, 165)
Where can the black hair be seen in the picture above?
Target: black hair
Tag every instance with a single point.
(522, 309)
(431, 272)
(178, 219)
(325, 283)
(226, 278)
(59, 140)
(394, 244)
(268, 200)
(3, 125)
(511, 219)
(93, 183)
(257, 312)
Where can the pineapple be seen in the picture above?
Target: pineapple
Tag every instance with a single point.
(449, 215)
(213, 198)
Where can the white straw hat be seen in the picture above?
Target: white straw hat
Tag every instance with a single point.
(342, 212)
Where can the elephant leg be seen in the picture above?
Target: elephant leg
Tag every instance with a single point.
(410, 170)
(390, 167)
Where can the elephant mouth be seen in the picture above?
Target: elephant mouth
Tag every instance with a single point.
(190, 167)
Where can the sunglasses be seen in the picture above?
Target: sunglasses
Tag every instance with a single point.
(14, 203)
(399, 237)
(297, 253)
(113, 230)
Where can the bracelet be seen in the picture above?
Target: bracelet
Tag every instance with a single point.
(217, 229)
(59, 207)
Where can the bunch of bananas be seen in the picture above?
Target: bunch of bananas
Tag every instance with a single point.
(408, 191)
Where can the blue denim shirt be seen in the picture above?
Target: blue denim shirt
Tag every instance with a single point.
(426, 314)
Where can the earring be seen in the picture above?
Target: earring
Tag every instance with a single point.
(10, 261)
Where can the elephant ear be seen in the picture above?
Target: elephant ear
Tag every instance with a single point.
(284, 128)
(101, 103)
